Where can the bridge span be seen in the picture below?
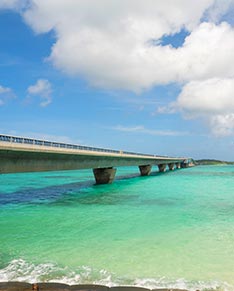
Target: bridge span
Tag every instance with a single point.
(20, 154)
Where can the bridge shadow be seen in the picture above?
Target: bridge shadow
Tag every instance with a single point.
(137, 175)
(66, 193)
(41, 195)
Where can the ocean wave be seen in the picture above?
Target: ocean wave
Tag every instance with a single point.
(22, 271)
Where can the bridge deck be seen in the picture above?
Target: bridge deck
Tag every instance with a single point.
(35, 145)
(19, 154)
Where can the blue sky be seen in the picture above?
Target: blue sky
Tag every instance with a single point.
(51, 90)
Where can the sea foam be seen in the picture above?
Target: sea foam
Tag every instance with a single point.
(22, 271)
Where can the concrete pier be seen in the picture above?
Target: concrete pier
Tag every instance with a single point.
(183, 165)
(177, 165)
(162, 168)
(104, 175)
(145, 170)
(171, 166)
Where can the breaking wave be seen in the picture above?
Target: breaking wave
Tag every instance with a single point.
(22, 271)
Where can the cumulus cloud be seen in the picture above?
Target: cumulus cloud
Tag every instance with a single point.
(219, 9)
(212, 96)
(118, 44)
(117, 36)
(211, 100)
(42, 89)
(222, 125)
(6, 94)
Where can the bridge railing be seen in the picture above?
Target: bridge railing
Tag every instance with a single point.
(40, 142)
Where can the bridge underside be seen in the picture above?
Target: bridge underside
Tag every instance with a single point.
(13, 161)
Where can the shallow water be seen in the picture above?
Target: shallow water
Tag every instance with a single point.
(166, 230)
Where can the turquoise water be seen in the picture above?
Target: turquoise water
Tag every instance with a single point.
(167, 230)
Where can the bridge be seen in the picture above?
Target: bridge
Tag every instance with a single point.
(21, 154)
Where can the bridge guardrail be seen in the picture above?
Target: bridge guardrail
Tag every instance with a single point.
(40, 142)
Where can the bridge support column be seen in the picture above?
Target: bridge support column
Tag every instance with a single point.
(171, 166)
(104, 175)
(162, 168)
(184, 165)
(145, 170)
(177, 165)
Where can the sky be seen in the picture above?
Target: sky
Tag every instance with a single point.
(147, 76)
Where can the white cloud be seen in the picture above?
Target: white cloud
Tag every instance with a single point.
(212, 96)
(210, 100)
(142, 129)
(170, 109)
(219, 8)
(42, 89)
(109, 42)
(13, 4)
(6, 94)
(207, 53)
(4, 90)
(222, 125)
(150, 18)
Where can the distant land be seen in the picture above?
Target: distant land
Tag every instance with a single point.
(213, 162)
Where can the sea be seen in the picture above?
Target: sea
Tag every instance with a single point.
(166, 230)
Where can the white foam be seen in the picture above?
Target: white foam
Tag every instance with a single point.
(22, 271)
(183, 284)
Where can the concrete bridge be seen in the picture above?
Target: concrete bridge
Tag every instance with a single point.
(20, 154)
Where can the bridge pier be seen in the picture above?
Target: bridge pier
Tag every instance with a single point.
(145, 170)
(171, 166)
(162, 168)
(104, 175)
(184, 165)
(178, 166)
